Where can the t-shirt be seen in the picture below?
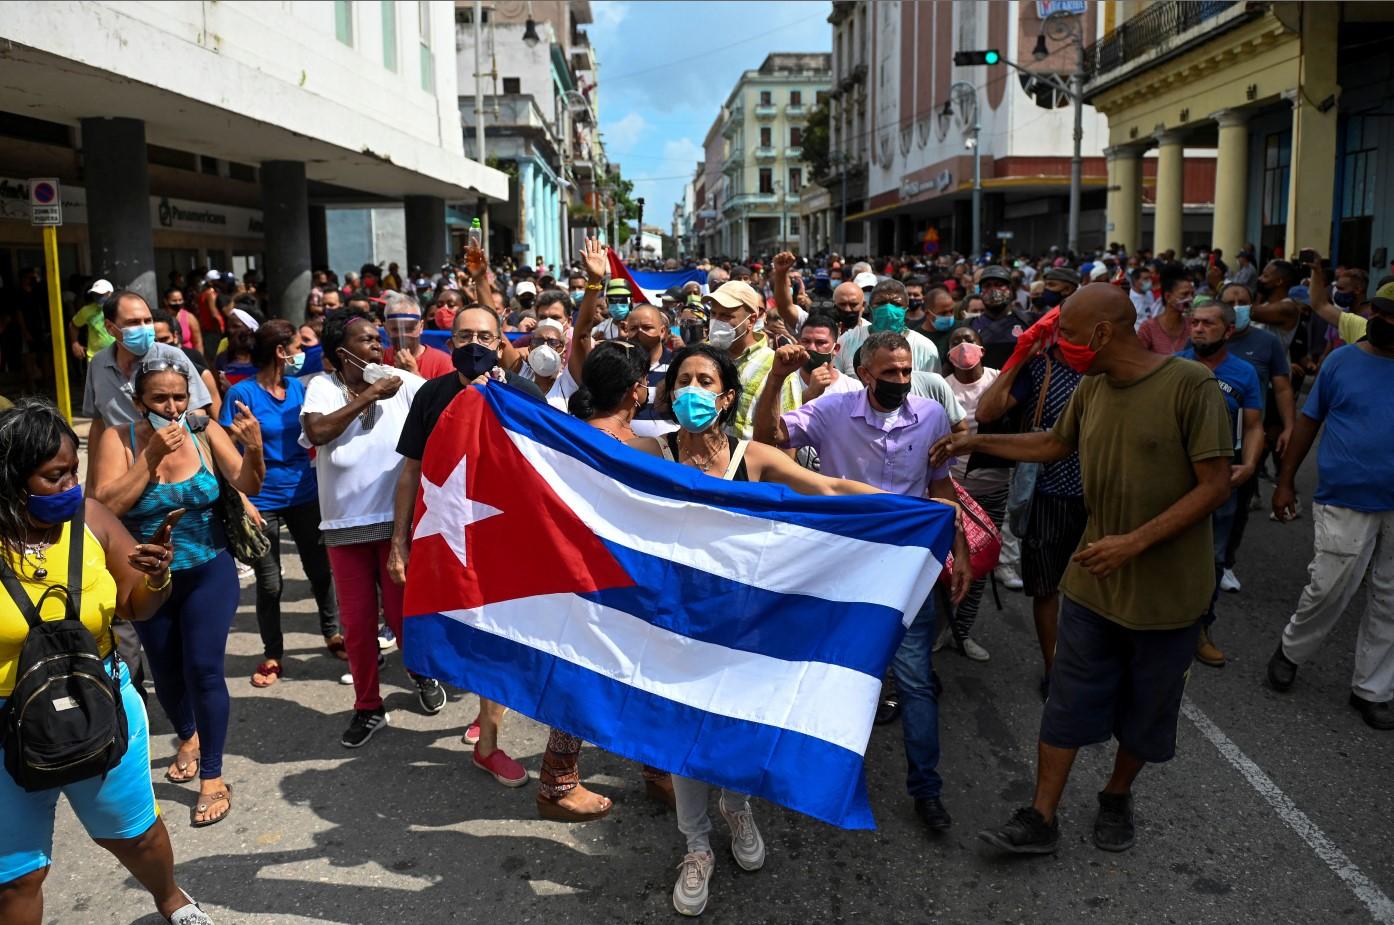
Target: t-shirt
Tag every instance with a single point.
(968, 395)
(433, 362)
(1355, 461)
(933, 385)
(98, 337)
(792, 392)
(196, 358)
(108, 389)
(430, 403)
(1351, 327)
(923, 354)
(999, 335)
(358, 469)
(290, 480)
(1239, 385)
(1264, 351)
(1136, 444)
(648, 422)
(1155, 337)
(1059, 479)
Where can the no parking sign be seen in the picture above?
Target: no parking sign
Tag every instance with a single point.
(45, 207)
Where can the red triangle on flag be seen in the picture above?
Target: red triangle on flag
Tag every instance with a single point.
(517, 537)
(619, 271)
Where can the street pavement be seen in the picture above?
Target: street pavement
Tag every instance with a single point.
(1277, 807)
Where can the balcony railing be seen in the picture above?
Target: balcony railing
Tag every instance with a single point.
(1155, 30)
(766, 111)
(793, 153)
(764, 153)
(795, 111)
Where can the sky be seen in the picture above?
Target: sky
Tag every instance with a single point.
(666, 66)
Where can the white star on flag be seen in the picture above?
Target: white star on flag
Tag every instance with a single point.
(449, 511)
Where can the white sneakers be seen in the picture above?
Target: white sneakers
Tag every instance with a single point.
(1008, 578)
(1228, 582)
(974, 651)
(695, 872)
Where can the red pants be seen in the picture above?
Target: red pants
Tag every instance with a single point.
(360, 574)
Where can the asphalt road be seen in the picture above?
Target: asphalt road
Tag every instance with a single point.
(1277, 808)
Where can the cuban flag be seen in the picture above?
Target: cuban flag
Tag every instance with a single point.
(649, 286)
(731, 632)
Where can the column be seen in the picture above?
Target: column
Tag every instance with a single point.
(319, 238)
(1313, 173)
(525, 201)
(1124, 196)
(427, 243)
(1231, 183)
(117, 179)
(285, 207)
(1166, 232)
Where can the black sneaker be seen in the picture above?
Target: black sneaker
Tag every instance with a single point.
(933, 814)
(1026, 832)
(1113, 826)
(887, 710)
(362, 727)
(1282, 671)
(429, 694)
(1376, 715)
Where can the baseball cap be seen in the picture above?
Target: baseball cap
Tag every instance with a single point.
(1064, 274)
(673, 294)
(999, 273)
(101, 287)
(551, 323)
(736, 294)
(422, 283)
(525, 287)
(212, 276)
(865, 281)
(1383, 302)
(618, 289)
(1099, 272)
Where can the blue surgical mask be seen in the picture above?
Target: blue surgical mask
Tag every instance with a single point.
(618, 310)
(1344, 300)
(295, 364)
(1241, 317)
(55, 509)
(578, 295)
(695, 408)
(138, 339)
(943, 322)
(888, 317)
(159, 422)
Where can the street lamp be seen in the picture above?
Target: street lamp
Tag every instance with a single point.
(963, 92)
(530, 36)
(1065, 26)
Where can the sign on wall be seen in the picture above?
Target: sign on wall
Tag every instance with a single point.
(1074, 7)
(45, 208)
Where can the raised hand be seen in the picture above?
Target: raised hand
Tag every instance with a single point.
(788, 359)
(163, 442)
(245, 428)
(783, 262)
(594, 260)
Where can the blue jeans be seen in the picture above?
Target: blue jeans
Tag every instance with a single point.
(1221, 523)
(919, 705)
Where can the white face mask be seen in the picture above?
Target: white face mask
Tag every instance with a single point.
(159, 422)
(721, 335)
(544, 361)
(375, 371)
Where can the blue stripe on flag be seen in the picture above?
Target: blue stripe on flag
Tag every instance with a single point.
(668, 279)
(794, 770)
(892, 519)
(715, 609)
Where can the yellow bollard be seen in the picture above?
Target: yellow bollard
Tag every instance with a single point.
(55, 318)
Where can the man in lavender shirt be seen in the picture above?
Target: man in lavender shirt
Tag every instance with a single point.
(882, 435)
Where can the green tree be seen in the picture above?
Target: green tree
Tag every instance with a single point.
(815, 141)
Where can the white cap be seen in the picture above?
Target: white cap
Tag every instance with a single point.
(525, 286)
(552, 323)
(865, 281)
(212, 276)
(1099, 272)
(101, 287)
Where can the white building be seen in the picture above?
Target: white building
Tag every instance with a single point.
(207, 133)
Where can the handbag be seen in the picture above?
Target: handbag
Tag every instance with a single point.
(245, 540)
(984, 539)
(64, 721)
(1023, 483)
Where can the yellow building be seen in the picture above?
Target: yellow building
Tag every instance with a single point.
(1294, 98)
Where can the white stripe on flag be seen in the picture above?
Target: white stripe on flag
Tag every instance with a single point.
(772, 555)
(824, 701)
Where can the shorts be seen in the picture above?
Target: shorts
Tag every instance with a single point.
(120, 805)
(1113, 682)
(1052, 535)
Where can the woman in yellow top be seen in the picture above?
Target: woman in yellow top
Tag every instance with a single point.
(39, 494)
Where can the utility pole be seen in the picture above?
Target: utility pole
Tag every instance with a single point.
(479, 114)
(977, 189)
(842, 224)
(1076, 161)
(639, 245)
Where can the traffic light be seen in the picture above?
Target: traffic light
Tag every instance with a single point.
(966, 58)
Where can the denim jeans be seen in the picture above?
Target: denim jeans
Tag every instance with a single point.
(1221, 523)
(302, 520)
(919, 704)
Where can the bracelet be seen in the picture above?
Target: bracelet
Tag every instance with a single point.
(594, 287)
(169, 577)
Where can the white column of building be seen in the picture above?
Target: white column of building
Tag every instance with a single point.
(1166, 230)
(1231, 182)
(525, 202)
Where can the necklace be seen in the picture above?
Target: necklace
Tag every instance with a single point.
(369, 415)
(39, 552)
(706, 464)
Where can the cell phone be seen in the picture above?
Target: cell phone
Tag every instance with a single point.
(166, 529)
(1307, 256)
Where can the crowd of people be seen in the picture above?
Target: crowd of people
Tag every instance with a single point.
(1100, 424)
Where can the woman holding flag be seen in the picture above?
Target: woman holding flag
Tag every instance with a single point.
(704, 389)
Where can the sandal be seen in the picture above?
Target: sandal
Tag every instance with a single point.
(335, 644)
(207, 802)
(269, 672)
(183, 768)
(576, 805)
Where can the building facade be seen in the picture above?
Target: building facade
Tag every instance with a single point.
(220, 135)
(540, 99)
(760, 129)
(1290, 99)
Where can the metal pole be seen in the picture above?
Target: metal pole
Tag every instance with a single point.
(55, 319)
(479, 116)
(842, 225)
(563, 142)
(1076, 161)
(977, 189)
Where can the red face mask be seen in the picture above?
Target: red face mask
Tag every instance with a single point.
(1076, 356)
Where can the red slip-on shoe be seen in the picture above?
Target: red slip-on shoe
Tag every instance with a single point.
(503, 768)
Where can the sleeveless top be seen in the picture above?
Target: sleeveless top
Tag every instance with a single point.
(98, 600)
(198, 536)
(186, 337)
(735, 469)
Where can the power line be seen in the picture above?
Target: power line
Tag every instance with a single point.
(711, 51)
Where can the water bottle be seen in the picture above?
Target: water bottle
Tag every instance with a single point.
(476, 235)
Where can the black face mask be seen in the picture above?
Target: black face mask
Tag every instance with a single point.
(848, 319)
(474, 360)
(526, 300)
(1208, 350)
(693, 332)
(1379, 331)
(916, 305)
(1050, 298)
(890, 395)
(816, 359)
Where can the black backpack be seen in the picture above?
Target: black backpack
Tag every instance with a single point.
(64, 722)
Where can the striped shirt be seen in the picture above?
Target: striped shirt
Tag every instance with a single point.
(648, 422)
(754, 368)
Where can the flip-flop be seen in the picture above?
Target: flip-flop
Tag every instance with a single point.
(205, 803)
(269, 670)
(193, 775)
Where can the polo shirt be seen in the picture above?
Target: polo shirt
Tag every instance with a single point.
(890, 452)
(108, 390)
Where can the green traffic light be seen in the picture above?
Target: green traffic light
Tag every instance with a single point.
(991, 57)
